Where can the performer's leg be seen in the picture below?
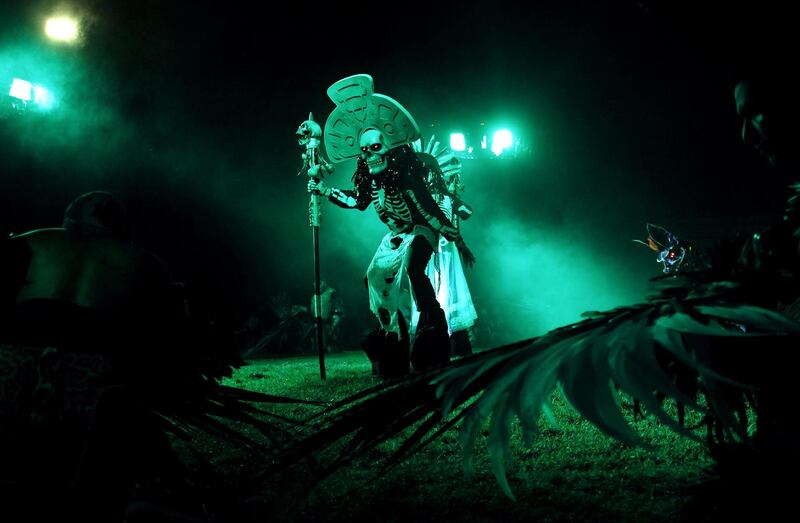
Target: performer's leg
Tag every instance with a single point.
(432, 344)
(374, 346)
(388, 351)
(424, 296)
(460, 343)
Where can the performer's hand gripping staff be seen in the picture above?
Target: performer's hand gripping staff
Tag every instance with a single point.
(308, 136)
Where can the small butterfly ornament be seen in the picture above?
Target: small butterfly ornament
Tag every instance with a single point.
(671, 252)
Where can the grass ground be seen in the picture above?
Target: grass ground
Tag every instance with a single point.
(571, 472)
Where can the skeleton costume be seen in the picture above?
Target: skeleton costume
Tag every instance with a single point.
(392, 179)
(445, 269)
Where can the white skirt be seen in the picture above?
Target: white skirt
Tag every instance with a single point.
(390, 293)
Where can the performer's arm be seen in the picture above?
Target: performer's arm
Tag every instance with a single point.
(445, 203)
(461, 209)
(427, 207)
(422, 199)
(357, 198)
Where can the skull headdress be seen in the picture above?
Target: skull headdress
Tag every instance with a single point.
(366, 124)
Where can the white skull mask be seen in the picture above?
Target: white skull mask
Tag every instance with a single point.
(373, 150)
(308, 131)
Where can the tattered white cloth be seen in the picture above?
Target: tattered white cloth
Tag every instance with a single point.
(451, 288)
(390, 293)
(452, 292)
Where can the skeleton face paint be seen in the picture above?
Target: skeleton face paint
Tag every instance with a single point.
(373, 150)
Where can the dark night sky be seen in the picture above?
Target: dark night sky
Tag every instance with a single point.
(191, 111)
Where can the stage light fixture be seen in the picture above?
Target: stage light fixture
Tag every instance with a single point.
(21, 89)
(28, 95)
(62, 29)
(457, 142)
(501, 140)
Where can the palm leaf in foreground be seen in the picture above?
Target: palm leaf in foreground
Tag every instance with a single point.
(640, 350)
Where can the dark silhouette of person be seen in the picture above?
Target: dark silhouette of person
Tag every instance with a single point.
(768, 111)
(767, 107)
(89, 322)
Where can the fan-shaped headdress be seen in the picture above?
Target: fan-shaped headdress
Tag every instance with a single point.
(359, 108)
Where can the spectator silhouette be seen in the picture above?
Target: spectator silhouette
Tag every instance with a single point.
(90, 323)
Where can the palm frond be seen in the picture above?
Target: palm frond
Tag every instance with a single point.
(637, 350)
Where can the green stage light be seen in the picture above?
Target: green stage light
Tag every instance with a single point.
(501, 140)
(21, 89)
(457, 142)
(31, 94)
